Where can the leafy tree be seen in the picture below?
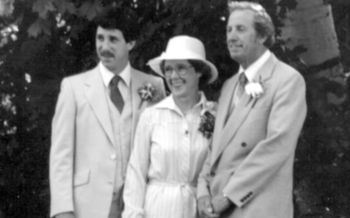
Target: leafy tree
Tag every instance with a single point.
(49, 39)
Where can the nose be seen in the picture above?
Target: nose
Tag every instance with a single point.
(231, 36)
(104, 45)
(174, 74)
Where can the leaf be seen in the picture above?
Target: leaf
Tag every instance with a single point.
(38, 27)
(42, 7)
(65, 6)
(90, 9)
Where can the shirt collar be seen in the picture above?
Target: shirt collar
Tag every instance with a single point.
(107, 75)
(253, 69)
(169, 103)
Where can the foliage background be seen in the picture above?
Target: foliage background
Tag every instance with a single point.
(55, 38)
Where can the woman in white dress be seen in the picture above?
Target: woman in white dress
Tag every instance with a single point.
(169, 149)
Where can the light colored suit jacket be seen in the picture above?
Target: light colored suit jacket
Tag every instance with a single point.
(82, 156)
(253, 153)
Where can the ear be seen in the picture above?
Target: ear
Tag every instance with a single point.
(131, 45)
(262, 39)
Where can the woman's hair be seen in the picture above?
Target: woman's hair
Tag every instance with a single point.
(203, 69)
(262, 20)
(200, 67)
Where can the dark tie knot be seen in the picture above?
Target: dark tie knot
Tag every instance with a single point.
(243, 80)
(115, 80)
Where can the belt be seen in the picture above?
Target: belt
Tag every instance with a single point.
(188, 192)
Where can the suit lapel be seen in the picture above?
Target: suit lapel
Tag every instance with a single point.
(223, 110)
(136, 82)
(95, 93)
(242, 109)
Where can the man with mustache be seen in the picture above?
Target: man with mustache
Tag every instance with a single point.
(94, 123)
(261, 111)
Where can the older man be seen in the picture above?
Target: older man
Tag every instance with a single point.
(261, 112)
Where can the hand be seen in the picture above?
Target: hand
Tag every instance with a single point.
(205, 208)
(65, 215)
(220, 204)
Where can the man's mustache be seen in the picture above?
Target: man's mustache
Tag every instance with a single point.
(106, 54)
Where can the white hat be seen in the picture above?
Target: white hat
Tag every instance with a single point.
(183, 48)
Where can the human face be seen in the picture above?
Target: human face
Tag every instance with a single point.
(243, 42)
(181, 77)
(112, 49)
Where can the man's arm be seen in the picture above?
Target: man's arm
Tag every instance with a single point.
(62, 151)
(204, 205)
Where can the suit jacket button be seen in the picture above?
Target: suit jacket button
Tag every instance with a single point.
(113, 156)
(244, 144)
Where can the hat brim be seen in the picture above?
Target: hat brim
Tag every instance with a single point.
(155, 65)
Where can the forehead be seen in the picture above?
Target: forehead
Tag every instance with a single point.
(175, 62)
(241, 17)
(111, 32)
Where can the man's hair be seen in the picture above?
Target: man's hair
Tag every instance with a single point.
(124, 20)
(262, 21)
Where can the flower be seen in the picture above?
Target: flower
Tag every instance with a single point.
(206, 125)
(254, 89)
(146, 92)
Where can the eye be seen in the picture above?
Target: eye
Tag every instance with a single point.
(113, 39)
(181, 67)
(99, 37)
(241, 28)
(168, 69)
(228, 29)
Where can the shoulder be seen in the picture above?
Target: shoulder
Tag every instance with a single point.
(287, 79)
(80, 77)
(229, 82)
(286, 71)
(145, 76)
(150, 114)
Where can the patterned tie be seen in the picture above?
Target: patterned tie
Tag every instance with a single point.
(116, 96)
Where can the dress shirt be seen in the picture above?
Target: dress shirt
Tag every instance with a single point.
(253, 69)
(125, 76)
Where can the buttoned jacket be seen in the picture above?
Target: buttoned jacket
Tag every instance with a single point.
(82, 156)
(253, 147)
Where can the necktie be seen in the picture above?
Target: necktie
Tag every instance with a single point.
(237, 94)
(115, 94)
(242, 81)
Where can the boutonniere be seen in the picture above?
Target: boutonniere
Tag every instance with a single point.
(255, 90)
(207, 122)
(148, 93)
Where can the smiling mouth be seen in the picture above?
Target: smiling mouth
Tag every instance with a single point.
(176, 84)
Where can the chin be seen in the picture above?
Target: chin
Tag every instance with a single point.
(177, 93)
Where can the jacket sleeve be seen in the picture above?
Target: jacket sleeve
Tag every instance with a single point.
(62, 151)
(203, 183)
(284, 124)
(161, 88)
(137, 170)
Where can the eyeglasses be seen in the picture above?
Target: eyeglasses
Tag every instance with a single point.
(181, 70)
